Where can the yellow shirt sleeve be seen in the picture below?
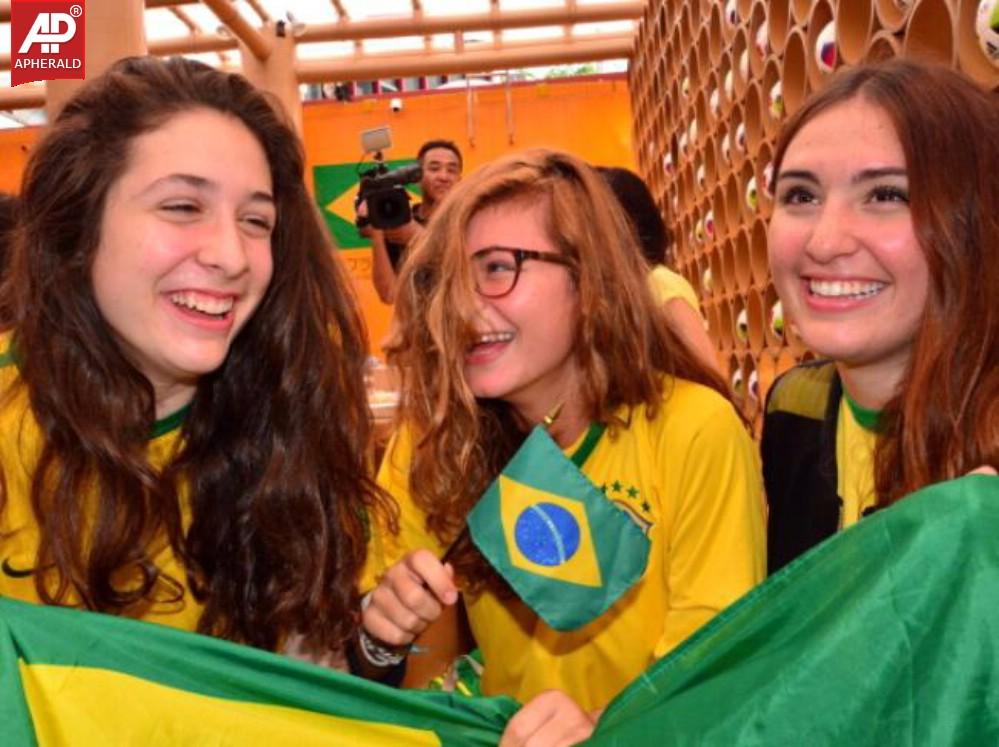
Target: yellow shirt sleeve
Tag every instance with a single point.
(667, 285)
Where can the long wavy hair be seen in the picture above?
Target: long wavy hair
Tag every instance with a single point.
(623, 345)
(275, 444)
(944, 419)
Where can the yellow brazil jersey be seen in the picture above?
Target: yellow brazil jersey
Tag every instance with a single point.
(667, 285)
(19, 451)
(855, 465)
(690, 479)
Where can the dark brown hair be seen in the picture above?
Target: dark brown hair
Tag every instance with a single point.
(623, 343)
(276, 439)
(944, 419)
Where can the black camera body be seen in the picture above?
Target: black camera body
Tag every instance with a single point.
(386, 195)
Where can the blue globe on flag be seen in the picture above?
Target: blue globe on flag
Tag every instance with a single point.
(547, 534)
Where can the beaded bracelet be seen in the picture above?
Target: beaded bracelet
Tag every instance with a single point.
(377, 654)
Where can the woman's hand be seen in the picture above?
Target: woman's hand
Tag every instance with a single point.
(410, 596)
(552, 719)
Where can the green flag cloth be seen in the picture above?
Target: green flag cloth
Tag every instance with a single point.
(886, 634)
(69, 677)
(566, 550)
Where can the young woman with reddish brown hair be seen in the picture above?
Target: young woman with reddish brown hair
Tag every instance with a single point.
(183, 439)
(884, 246)
(526, 293)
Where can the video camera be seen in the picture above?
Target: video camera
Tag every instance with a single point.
(384, 190)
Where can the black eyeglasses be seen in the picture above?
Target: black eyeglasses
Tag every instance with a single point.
(497, 269)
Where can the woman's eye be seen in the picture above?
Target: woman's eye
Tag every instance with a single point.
(259, 224)
(889, 194)
(181, 208)
(497, 266)
(796, 196)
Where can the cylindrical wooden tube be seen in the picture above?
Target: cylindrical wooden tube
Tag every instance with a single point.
(884, 45)
(774, 310)
(773, 92)
(757, 321)
(821, 17)
(892, 14)
(930, 34)
(759, 43)
(794, 77)
(733, 203)
(742, 262)
(800, 10)
(753, 103)
(729, 284)
(758, 253)
(764, 179)
(779, 23)
(970, 51)
(740, 61)
(750, 192)
(854, 24)
(725, 323)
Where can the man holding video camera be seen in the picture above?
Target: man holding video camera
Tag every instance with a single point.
(440, 164)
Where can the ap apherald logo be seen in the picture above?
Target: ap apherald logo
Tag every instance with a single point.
(47, 41)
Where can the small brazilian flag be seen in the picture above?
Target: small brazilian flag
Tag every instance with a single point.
(566, 550)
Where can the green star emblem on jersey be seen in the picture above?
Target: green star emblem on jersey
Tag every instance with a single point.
(336, 187)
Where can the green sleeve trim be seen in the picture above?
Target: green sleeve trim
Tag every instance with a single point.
(164, 425)
(868, 419)
(590, 442)
(7, 358)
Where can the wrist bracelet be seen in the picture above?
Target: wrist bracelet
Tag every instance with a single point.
(374, 652)
(378, 655)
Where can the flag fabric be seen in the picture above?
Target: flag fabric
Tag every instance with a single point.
(69, 677)
(886, 634)
(566, 550)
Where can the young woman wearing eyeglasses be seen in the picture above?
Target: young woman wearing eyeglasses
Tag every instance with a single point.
(526, 293)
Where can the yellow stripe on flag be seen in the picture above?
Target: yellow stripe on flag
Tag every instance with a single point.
(582, 567)
(87, 706)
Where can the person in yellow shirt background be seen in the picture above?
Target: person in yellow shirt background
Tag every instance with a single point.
(670, 289)
(511, 304)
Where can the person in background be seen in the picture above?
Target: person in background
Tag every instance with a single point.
(508, 306)
(182, 439)
(441, 164)
(884, 248)
(670, 289)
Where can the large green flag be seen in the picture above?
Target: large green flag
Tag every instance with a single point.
(69, 677)
(886, 634)
(566, 550)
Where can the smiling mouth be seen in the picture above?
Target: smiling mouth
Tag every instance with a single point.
(491, 338)
(846, 289)
(212, 307)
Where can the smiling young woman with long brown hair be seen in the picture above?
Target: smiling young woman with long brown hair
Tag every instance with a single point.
(884, 246)
(527, 292)
(183, 439)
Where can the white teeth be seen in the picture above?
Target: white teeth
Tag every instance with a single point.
(204, 303)
(489, 337)
(845, 289)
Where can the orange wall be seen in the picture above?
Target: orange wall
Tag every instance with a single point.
(589, 117)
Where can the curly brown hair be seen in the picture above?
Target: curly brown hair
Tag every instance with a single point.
(275, 444)
(623, 344)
